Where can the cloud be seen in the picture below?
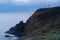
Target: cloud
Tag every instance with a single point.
(28, 1)
(19, 1)
(45, 1)
(52, 1)
(33, 2)
(1, 1)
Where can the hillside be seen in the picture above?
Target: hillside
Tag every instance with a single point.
(42, 19)
(48, 33)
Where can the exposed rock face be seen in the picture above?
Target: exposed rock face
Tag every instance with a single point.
(43, 17)
(38, 20)
(18, 29)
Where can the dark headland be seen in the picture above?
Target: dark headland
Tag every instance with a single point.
(43, 18)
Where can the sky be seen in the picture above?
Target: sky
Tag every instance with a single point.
(25, 5)
(13, 11)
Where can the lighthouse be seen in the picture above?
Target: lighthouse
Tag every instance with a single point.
(49, 3)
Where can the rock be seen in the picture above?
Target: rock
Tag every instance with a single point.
(18, 29)
(43, 17)
(7, 36)
(39, 20)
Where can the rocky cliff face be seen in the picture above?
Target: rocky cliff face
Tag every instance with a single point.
(43, 17)
(18, 29)
(39, 20)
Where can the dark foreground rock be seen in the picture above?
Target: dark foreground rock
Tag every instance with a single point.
(39, 20)
(18, 29)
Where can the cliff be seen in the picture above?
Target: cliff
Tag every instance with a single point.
(43, 17)
(39, 20)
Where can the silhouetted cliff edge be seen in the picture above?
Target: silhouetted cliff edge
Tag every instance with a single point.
(39, 20)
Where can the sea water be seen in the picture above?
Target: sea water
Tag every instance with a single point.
(8, 20)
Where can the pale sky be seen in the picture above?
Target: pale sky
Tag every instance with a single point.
(27, 1)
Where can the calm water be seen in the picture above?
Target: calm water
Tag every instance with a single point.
(7, 20)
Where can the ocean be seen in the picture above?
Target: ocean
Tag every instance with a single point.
(8, 20)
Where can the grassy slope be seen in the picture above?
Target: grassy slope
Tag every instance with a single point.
(49, 33)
